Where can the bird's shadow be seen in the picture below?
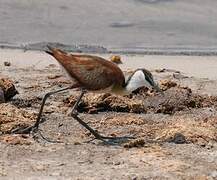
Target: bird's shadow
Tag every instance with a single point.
(113, 141)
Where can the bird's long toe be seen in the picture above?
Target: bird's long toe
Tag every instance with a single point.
(22, 130)
(115, 140)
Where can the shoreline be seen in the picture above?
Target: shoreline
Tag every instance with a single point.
(192, 66)
(98, 49)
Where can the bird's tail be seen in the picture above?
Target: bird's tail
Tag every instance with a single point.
(50, 51)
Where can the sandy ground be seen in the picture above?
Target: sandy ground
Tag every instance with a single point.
(176, 134)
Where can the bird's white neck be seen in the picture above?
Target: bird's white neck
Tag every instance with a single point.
(136, 81)
(140, 78)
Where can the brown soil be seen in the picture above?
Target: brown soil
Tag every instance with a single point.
(175, 133)
(174, 98)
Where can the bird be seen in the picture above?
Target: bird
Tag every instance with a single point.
(96, 74)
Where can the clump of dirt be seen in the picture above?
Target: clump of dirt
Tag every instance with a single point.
(135, 143)
(7, 86)
(176, 130)
(93, 103)
(16, 139)
(12, 117)
(24, 103)
(167, 84)
(187, 131)
(175, 98)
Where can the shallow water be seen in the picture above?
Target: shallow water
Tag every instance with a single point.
(129, 25)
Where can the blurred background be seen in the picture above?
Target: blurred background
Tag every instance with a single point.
(125, 25)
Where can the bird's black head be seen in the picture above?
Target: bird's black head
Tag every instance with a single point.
(141, 78)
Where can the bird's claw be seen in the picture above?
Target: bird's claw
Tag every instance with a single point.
(27, 130)
(33, 130)
(109, 140)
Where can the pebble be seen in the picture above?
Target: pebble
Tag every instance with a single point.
(6, 63)
(178, 139)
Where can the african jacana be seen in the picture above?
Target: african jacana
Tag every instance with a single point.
(93, 73)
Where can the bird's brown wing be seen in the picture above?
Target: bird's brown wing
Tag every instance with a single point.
(95, 73)
(92, 72)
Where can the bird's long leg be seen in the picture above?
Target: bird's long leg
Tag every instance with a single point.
(75, 116)
(38, 120)
(92, 131)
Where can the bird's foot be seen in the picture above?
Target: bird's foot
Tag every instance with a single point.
(105, 139)
(34, 131)
(26, 130)
(110, 140)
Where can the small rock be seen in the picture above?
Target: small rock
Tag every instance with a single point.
(179, 76)
(178, 138)
(56, 173)
(166, 70)
(134, 177)
(52, 65)
(54, 76)
(117, 163)
(213, 174)
(211, 144)
(116, 59)
(77, 143)
(6, 63)
(160, 70)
